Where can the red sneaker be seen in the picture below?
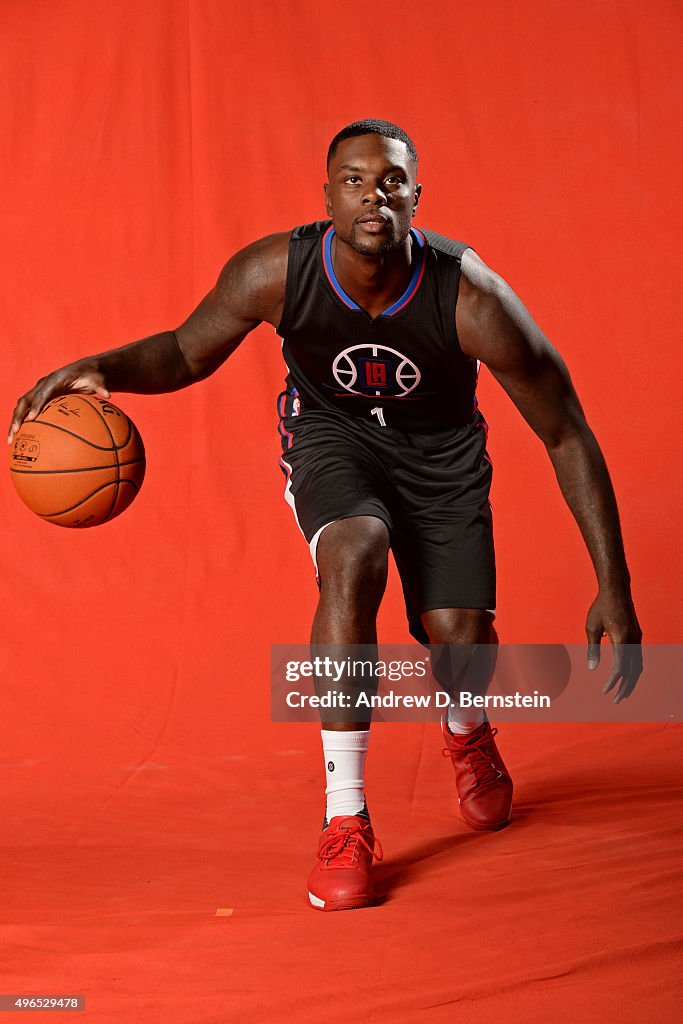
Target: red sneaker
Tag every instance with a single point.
(341, 878)
(482, 780)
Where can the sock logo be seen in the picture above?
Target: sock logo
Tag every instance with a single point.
(330, 766)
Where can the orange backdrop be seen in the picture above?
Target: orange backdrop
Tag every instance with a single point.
(142, 145)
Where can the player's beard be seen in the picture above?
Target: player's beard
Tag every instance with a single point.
(378, 245)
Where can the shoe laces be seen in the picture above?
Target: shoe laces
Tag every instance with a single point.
(478, 756)
(344, 846)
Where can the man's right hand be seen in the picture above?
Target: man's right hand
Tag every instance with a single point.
(81, 377)
(249, 290)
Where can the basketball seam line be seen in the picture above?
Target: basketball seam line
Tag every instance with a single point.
(100, 447)
(110, 483)
(81, 469)
(118, 464)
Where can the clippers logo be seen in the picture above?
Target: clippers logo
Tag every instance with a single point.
(375, 370)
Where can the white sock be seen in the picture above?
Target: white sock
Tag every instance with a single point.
(461, 722)
(345, 754)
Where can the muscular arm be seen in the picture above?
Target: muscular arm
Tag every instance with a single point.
(494, 326)
(250, 289)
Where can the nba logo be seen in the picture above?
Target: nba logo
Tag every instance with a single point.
(296, 407)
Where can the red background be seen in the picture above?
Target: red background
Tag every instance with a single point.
(145, 785)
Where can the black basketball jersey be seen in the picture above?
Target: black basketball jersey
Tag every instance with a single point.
(404, 368)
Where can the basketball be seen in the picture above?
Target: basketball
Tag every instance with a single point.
(80, 463)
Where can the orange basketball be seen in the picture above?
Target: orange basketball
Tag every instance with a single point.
(80, 463)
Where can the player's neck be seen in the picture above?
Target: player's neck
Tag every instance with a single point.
(374, 282)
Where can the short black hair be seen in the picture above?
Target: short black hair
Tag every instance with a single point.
(372, 126)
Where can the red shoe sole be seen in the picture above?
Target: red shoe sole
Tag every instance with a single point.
(478, 827)
(357, 903)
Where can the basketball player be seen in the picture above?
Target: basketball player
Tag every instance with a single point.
(384, 327)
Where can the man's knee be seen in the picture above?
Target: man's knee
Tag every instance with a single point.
(459, 626)
(352, 555)
(464, 650)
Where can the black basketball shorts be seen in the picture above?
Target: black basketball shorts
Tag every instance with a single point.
(431, 491)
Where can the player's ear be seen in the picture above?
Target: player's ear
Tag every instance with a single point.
(418, 193)
(328, 201)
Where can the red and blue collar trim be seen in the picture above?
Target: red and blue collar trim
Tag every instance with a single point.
(408, 294)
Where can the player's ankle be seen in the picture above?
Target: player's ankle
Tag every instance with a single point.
(460, 724)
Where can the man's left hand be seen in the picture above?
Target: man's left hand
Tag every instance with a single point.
(613, 615)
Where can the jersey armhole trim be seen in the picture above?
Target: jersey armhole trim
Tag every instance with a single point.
(455, 308)
(282, 325)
